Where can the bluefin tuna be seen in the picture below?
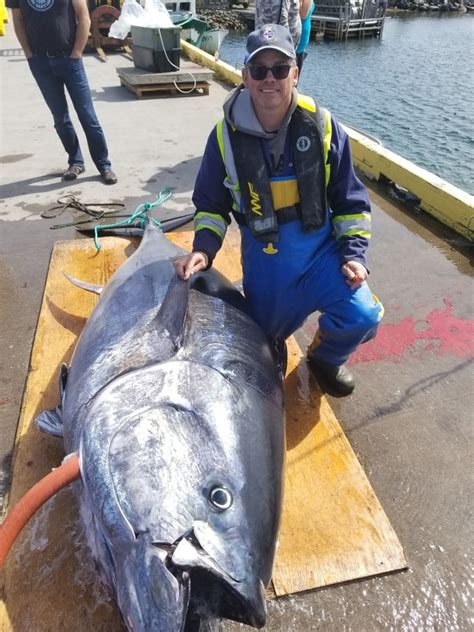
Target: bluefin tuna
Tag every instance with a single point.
(174, 403)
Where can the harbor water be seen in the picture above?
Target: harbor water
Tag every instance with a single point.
(413, 88)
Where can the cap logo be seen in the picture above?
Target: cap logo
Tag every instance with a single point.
(303, 143)
(268, 34)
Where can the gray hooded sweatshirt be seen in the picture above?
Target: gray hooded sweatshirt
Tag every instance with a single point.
(240, 114)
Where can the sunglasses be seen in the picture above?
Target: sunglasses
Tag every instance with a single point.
(279, 71)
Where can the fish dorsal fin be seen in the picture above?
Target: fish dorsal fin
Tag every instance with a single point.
(89, 287)
(172, 313)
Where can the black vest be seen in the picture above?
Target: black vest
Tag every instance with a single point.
(306, 130)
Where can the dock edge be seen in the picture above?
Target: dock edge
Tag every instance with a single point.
(447, 203)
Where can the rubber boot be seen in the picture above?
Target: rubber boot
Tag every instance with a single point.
(334, 380)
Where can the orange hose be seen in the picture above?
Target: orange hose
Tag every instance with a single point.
(19, 515)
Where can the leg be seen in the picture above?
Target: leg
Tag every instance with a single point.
(52, 89)
(348, 318)
(75, 79)
(345, 324)
(281, 288)
(341, 329)
(302, 277)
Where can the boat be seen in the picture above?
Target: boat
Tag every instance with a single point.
(192, 27)
(212, 39)
(197, 32)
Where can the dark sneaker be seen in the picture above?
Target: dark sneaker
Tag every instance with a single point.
(334, 380)
(73, 171)
(109, 177)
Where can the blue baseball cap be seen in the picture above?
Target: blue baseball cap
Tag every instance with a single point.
(270, 37)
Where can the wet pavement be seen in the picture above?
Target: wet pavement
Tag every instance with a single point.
(410, 417)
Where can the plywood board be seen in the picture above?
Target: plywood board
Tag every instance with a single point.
(333, 527)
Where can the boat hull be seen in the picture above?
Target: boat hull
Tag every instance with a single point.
(212, 39)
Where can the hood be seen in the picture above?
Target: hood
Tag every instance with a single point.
(240, 114)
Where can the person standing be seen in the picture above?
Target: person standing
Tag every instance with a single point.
(306, 11)
(53, 35)
(282, 167)
(283, 12)
(288, 13)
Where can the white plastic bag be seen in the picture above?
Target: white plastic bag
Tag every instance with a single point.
(156, 15)
(131, 14)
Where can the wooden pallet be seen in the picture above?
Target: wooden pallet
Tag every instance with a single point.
(154, 90)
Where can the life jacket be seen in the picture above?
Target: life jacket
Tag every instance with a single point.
(260, 201)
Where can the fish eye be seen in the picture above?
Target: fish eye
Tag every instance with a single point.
(220, 498)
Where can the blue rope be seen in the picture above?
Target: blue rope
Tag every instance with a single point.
(141, 213)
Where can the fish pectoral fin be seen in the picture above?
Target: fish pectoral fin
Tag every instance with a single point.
(51, 422)
(173, 309)
(89, 287)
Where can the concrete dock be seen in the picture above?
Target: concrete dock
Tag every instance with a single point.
(410, 417)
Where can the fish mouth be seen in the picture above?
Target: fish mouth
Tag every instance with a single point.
(152, 594)
(162, 586)
(215, 591)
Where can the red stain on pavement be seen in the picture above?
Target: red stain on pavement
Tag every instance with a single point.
(439, 333)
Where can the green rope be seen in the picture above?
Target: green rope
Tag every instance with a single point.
(140, 213)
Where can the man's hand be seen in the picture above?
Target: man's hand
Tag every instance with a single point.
(186, 266)
(355, 274)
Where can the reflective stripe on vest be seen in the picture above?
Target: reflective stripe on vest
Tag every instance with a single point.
(348, 225)
(231, 181)
(210, 221)
(309, 104)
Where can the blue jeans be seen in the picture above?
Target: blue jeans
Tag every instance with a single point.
(53, 74)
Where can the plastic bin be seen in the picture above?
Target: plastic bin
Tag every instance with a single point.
(150, 37)
(156, 60)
